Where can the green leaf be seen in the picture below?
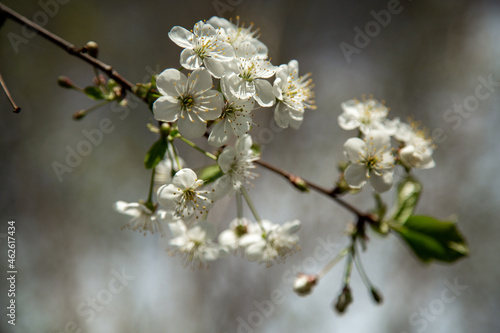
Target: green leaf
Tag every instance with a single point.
(432, 239)
(210, 173)
(408, 194)
(94, 92)
(155, 153)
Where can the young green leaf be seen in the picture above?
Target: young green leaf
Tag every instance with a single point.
(155, 153)
(408, 194)
(432, 239)
(210, 173)
(94, 92)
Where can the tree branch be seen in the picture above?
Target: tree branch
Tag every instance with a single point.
(80, 53)
(70, 48)
(299, 182)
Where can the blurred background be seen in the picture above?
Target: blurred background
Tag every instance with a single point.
(431, 56)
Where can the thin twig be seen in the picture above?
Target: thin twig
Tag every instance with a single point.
(70, 48)
(17, 109)
(333, 193)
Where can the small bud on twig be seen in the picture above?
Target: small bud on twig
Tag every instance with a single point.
(79, 114)
(304, 283)
(65, 82)
(92, 49)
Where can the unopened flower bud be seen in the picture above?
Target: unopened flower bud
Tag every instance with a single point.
(377, 296)
(92, 49)
(304, 283)
(65, 82)
(345, 298)
(165, 129)
(79, 114)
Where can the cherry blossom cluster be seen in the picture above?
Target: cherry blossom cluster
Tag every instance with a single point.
(372, 157)
(220, 49)
(231, 53)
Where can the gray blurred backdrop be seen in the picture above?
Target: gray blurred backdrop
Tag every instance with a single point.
(431, 56)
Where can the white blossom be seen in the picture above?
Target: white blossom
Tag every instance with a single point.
(247, 73)
(231, 237)
(182, 195)
(235, 33)
(202, 46)
(143, 218)
(294, 94)
(367, 115)
(188, 100)
(371, 159)
(195, 244)
(274, 243)
(236, 163)
(417, 146)
(236, 117)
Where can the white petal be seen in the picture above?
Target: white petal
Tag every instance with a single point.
(243, 144)
(378, 140)
(224, 52)
(227, 158)
(181, 37)
(131, 209)
(171, 82)
(281, 115)
(185, 179)
(220, 134)
(200, 80)
(354, 149)
(277, 90)
(166, 108)
(215, 67)
(223, 186)
(168, 196)
(356, 175)
(228, 238)
(382, 182)
(190, 59)
(293, 68)
(348, 122)
(191, 126)
(291, 227)
(209, 105)
(264, 93)
(177, 228)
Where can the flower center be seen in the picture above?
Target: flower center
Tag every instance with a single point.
(186, 101)
(240, 230)
(189, 194)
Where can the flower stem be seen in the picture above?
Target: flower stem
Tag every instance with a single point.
(333, 262)
(362, 273)
(348, 267)
(192, 144)
(239, 206)
(151, 186)
(255, 214)
(176, 156)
